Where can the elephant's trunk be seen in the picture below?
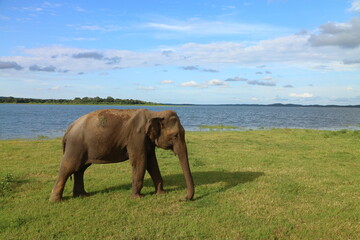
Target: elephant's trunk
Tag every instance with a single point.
(181, 151)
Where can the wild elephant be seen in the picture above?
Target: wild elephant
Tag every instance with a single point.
(111, 136)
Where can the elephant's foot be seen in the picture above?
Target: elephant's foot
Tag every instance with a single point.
(55, 198)
(185, 198)
(81, 194)
(158, 192)
(137, 195)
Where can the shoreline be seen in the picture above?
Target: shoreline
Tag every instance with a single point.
(211, 130)
(186, 104)
(86, 104)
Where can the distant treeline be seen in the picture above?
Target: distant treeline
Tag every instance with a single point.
(77, 100)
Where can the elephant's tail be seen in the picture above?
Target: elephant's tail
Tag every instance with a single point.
(64, 142)
(64, 146)
(65, 137)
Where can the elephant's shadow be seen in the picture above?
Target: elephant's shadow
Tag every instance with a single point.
(176, 182)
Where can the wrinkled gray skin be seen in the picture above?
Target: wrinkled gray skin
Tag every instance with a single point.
(111, 136)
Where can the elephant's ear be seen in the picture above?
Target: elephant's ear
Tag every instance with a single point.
(153, 128)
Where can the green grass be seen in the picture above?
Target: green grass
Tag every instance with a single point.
(218, 127)
(276, 184)
(6, 183)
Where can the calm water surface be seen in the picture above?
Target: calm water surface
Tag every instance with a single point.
(32, 121)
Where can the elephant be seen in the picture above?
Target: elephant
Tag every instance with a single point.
(114, 135)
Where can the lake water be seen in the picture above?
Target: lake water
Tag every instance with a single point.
(32, 121)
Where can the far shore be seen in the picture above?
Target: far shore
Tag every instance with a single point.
(185, 104)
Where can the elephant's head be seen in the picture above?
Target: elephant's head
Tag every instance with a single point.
(166, 131)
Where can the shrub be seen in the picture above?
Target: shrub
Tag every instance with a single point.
(6, 183)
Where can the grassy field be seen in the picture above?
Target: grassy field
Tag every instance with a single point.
(277, 184)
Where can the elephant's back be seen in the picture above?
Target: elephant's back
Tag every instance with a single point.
(101, 124)
(110, 118)
(103, 116)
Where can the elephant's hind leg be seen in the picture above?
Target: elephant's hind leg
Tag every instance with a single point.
(57, 191)
(69, 165)
(79, 190)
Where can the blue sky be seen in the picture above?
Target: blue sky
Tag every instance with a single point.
(262, 51)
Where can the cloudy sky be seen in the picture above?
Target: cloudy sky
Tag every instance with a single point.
(225, 51)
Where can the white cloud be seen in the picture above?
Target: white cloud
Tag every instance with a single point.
(288, 51)
(90, 27)
(32, 9)
(149, 88)
(196, 27)
(80, 9)
(55, 88)
(302, 95)
(197, 68)
(78, 39)
(3, 17)
(262, 83)
(228, 7)
(267, 78)
(216, 82)
(166, 82)
(163, 26)
(292, 50)
(346, 35)
(106, 28)
(213, 82)
(52, 5)
(355, 6)
(44, 8)
(189, 84)
(266, 81)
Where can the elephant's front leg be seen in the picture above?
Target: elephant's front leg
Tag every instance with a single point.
(138, 163)
(154, 171)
